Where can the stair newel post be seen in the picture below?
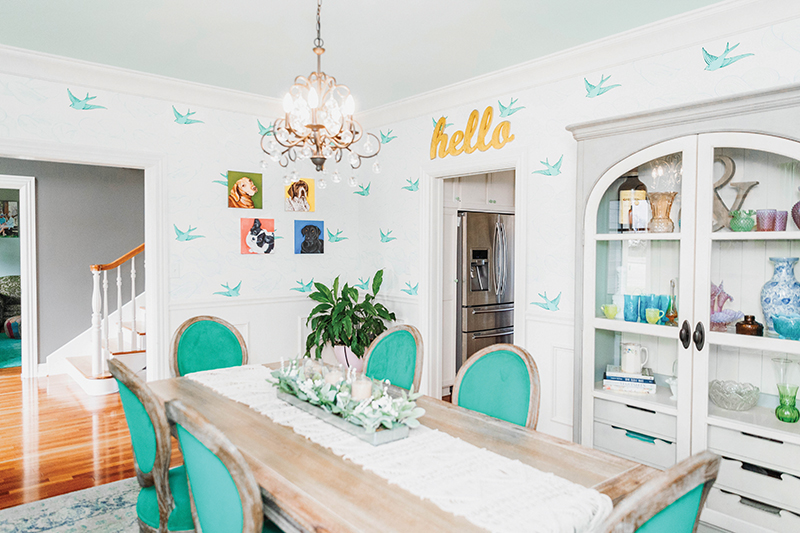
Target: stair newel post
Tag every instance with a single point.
(105, 313)
(97, 354)
(119, 309)
(134, 335)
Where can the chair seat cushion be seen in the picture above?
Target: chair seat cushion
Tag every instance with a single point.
(181, 517)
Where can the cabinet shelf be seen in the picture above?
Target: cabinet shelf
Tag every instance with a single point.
(757, 236)
(769, 344)
(641, 236)
(659, 402)
(759, 421)
(623, 326)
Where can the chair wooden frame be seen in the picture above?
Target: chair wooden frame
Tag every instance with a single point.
(533, 375)
(159, 475)
(176, 339)
(420, 351)
(662, 490)
(213, 439)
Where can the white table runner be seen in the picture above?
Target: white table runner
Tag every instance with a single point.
(489, 490)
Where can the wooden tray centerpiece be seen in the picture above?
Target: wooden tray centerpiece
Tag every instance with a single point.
(371, 410)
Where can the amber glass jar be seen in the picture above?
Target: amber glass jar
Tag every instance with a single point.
(749, 326)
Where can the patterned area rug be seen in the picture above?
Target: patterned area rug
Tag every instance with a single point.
(109, 508)
(10, 352)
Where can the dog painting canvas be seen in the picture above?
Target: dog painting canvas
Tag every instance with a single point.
(300, 196)
(244, 190)
(309, 237)
(257, 235)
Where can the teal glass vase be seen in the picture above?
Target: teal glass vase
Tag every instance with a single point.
(786, 379)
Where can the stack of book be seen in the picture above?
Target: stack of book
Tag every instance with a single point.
(615, 379)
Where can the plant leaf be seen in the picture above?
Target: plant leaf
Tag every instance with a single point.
(377, 281)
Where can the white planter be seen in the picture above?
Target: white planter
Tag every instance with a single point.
(346, 357)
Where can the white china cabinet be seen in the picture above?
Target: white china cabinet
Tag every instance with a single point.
(691, 151)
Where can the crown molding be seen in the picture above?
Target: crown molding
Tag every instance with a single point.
(695, 28)
(58, 69)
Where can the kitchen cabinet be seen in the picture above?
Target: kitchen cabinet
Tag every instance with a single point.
(687, 151)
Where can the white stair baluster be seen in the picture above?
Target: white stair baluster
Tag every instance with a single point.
(119, 308)
(105, 314)
(134, 335)
(97, 356)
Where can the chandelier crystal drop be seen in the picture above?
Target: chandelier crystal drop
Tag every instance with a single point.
(318, 121)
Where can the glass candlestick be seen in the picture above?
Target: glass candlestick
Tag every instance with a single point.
(786, 379)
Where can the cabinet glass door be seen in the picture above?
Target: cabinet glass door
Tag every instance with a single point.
(639, 247)
(745, 267)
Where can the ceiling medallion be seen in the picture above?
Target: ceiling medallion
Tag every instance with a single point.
(318, 123)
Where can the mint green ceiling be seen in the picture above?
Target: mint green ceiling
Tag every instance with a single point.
(384, 51)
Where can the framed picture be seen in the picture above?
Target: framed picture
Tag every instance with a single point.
(244, 190)
(9, 219)
(299, 196)
(257, 235)
(309, 237)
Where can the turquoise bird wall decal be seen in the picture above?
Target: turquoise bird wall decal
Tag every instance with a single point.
(262, 130)
(363, 285)
(335, 238)
(230, 293)
(304, 287)
(364, 190)
(446, 124)
(548, 305)
(597, 90)
(82, 105)
(184, 119)
(412, 186)
(507, 111)
(385, 236)
(221, 182)
(184, 235)
(411, 290)
(388, 137)
(722, 60)
(551, 170)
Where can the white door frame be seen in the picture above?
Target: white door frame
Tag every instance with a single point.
(431, 256)
(155, 212)
(26, 185)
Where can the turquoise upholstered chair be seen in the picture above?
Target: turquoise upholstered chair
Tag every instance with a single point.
(206, 343)
(225, 494)
(163, 503)
(396, 355)
(670, 502)
(500, 381)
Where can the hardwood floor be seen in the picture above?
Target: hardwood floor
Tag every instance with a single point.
(54, 438)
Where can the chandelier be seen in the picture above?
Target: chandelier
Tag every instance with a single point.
(318, 123)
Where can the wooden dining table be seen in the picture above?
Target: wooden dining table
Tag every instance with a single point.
(306, 487)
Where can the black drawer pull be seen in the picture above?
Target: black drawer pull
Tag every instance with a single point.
(762, 438)
(640, 409)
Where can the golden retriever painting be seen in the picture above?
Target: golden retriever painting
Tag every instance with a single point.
(244, 190)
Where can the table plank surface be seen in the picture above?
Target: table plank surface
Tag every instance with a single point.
(315, 490)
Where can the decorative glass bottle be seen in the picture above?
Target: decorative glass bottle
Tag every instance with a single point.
(781, 294)
(632, 193)
(786, 379)
(661, 204)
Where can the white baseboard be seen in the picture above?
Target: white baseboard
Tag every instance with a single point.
(42, 370)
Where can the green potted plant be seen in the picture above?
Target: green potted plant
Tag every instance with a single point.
(345, 323)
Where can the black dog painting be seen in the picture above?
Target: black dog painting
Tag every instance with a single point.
(257, 235)
(309, 237)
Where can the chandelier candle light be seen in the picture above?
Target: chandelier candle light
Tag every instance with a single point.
(318, 123)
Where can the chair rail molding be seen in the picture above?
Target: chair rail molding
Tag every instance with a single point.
(155, 201)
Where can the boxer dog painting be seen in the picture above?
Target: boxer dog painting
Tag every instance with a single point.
(308, 237)
(244, 190)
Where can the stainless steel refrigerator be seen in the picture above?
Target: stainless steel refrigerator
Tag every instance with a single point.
(485, 282)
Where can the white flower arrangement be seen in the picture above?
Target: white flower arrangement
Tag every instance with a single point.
(381, 409)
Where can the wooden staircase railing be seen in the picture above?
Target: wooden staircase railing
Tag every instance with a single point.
(100, 311)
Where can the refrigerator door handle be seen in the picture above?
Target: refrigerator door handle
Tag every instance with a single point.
(497, 256)
(495, 310)
(505, 257)
(490, 335)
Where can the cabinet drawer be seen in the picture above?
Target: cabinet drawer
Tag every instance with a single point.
(783, 491)
(764, 516)
(636, 418)
(771, 453)
(633, 445)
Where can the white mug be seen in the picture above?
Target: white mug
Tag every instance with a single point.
(632, 357)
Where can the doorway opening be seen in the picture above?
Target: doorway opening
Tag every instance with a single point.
(478, 244)
(10, 288)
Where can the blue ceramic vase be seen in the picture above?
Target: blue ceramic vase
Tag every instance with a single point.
(781, 294)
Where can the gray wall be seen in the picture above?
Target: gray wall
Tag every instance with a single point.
(84, 215)
(9, 246)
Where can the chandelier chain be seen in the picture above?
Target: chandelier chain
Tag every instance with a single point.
(318, 42)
